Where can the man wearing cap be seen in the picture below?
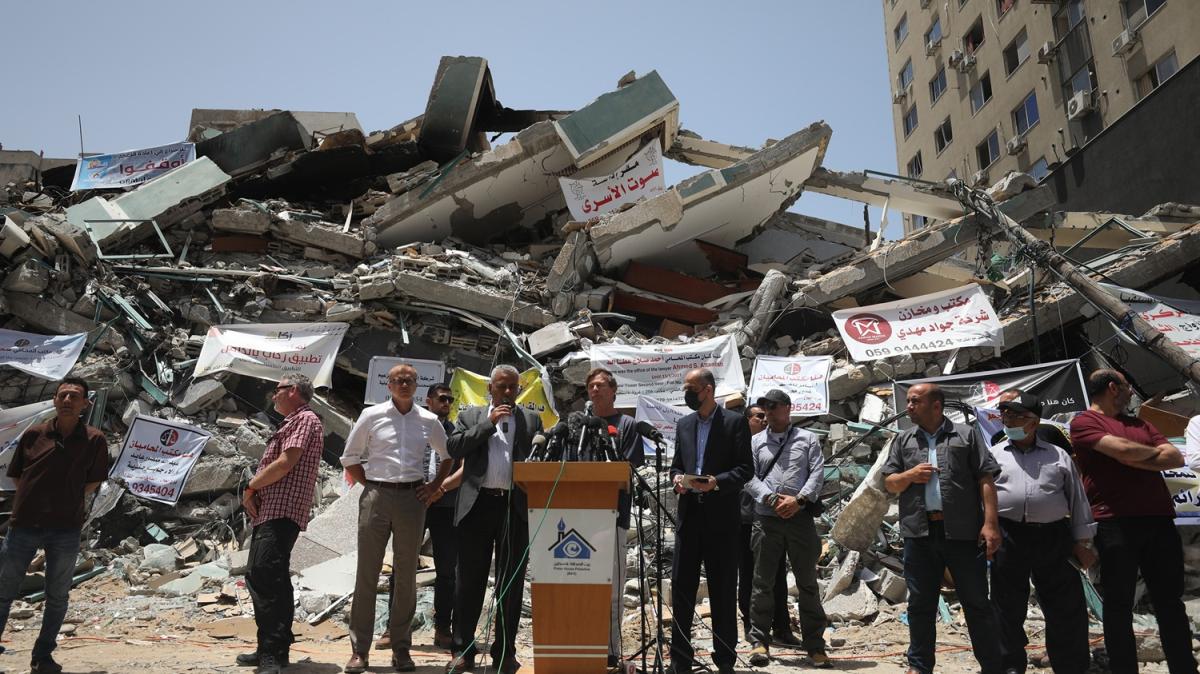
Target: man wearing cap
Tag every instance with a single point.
(1046, 521)
(944, 475)
(1052, 434)
(788, 475)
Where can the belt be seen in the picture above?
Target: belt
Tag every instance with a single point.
(1033, 525)
(489, 491)
(396, 485)
(935, 515)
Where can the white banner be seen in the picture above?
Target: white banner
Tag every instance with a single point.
(157, 458)
(942, 321)
(1176, 324)
(804, 379)
(641, 176)
(429, 372)
(572, 546)
(134, 167)
(13, 424)
(271, 350)
(657, 370)
(46, 356)
(663, 417)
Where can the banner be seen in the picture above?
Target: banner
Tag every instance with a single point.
(472, 389)
(1184, 485)
(46, 356)
(657, 370)
(1178, 320)
(663, 417)
(271, 350)
(942, 321)
(639, 177)
(429, 372)
(13, 424)
(804, 379)
(157, 458)
(1059, 385)
(127, 169)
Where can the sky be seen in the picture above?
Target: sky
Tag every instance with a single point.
(743, 72)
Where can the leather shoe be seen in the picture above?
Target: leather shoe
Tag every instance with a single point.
(443, 639)
(385, 641)
(252, 659)
(269, 664)
(402, 661)
(509, 665)
(460, 664)
(357, 664)
(46, 665)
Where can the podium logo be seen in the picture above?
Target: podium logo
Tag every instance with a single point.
(571, 544)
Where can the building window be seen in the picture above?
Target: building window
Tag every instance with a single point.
(974, 37)
(1083, 80)
(1016, 52)
(943, 135)
(910, 120)
(1137, 11)
(1026, 114)
(937, 85)
(1002, 6)
(905, 77)
(1067, 16)
(915, 166)
(1039, 170)
(1157, 74)
(901, 30)
(981, 92)
(934, 34)
(988, 151)
(919, 222)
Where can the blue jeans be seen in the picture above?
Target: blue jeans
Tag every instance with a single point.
(62, 549)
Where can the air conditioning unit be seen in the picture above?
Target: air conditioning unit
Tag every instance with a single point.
(956, 57)
(932, 46)
(1046, 52)
(967, 63)
(979, 178)
(1124, 42)
(1079, 105)
(898, 96)
(1016, 144)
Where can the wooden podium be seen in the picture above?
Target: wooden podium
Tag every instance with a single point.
(571, 618)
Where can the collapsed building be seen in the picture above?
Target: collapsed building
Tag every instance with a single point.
(431, 242)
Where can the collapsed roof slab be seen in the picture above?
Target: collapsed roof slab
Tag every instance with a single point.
(516, 184)
(721, 206)
(206, 122)
(901, 195)
(690, 148)
(473, 298)
(1072, 227)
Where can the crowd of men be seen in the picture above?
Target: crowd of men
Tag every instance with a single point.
(1032, 503)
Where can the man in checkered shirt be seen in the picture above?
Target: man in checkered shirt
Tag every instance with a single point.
(278, 500)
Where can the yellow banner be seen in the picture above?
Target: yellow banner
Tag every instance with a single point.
(472, 389)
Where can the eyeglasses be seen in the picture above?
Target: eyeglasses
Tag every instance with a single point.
(446, 399)
(284, 387)
(402, 381)
(1008, 414)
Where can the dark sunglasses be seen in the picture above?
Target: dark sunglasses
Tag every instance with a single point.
(446, 399)
(284, 387)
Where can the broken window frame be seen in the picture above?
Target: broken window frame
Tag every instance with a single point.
(916, 166)
(87, 226)
(991, 143)
(943, 136)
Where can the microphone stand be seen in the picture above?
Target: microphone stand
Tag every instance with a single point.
(660, 637)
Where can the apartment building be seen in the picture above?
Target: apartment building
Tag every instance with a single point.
(981, 88)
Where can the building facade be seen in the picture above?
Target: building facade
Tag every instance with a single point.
(981, 88)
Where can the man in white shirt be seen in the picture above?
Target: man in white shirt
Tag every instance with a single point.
(386, 453)
(1191, 448)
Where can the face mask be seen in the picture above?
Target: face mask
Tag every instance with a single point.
(1015, 434)
(691, 399)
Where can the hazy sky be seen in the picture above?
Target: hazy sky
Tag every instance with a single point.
(742, 71)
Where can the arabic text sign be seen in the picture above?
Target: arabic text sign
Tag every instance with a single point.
(657, 370)
(271, 350)
(571, 546)
(472, 389)
(48, 357)
(941, 321)
(1184, 485)
(157, 458)
(1182, 329)
(664, 418)
(804, 379)
(13, 424)
(429, 372)
(639, 177)
(126, 169)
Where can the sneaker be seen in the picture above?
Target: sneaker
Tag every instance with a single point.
(269, 664)
(820, 660)
(760, 655)
(46, 665)
(402, 661)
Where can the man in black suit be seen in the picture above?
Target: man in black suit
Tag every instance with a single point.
(491, 513)
(714, 444)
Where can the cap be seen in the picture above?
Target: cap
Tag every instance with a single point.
(1026, 402)
(774, 397)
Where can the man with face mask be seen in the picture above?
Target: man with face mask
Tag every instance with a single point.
(1122, 458)
(1045, 519)
(714, 446)
(1052, 434)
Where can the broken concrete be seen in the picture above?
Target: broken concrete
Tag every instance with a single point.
(201, 394)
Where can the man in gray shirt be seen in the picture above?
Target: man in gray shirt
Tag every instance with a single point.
(788, 476)
(1046, 520)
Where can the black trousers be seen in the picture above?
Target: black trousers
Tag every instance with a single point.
(493, 524)
(270, 585)
(698, 541)
(1043, 554)
(1150, 545)
(781, 622)
(439, 520)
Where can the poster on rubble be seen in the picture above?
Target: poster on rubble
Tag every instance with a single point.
(657, 370)
(1059, 385)
(1184, 485)
(46, 356)
(640, 177)
(805, 379)
(571, 545)
(663, 417)
(1178, 320)
(429, 372)
(271, 350)
(941, 321)
(130, 168)
(157, 458)
(471, 389)
(13, 424)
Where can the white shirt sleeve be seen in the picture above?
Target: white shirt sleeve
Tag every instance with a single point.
(356, 442)
(1191, 448)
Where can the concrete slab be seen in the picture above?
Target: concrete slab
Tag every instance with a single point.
(335, 577)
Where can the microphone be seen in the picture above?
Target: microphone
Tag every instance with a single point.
(612, 444)
(647, 430)
(588, 407)
(539, 445)
(504, 424)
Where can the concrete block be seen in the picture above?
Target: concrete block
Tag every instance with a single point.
(329, 528)
(856, 603)
(858, 524)
(311, 234)
(552, 338)
(843, 575)
(30, 276)
(335, 577)
(158, 557)
(70, 236)
(213, 474)
(52, 319)
(891, 586)
(848, 381)
(201, 394)
(243, 221)
(375, 286)
(249, 442)
(302, 302)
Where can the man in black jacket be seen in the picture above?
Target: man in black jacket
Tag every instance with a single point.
(491, 513)
(712, 448)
